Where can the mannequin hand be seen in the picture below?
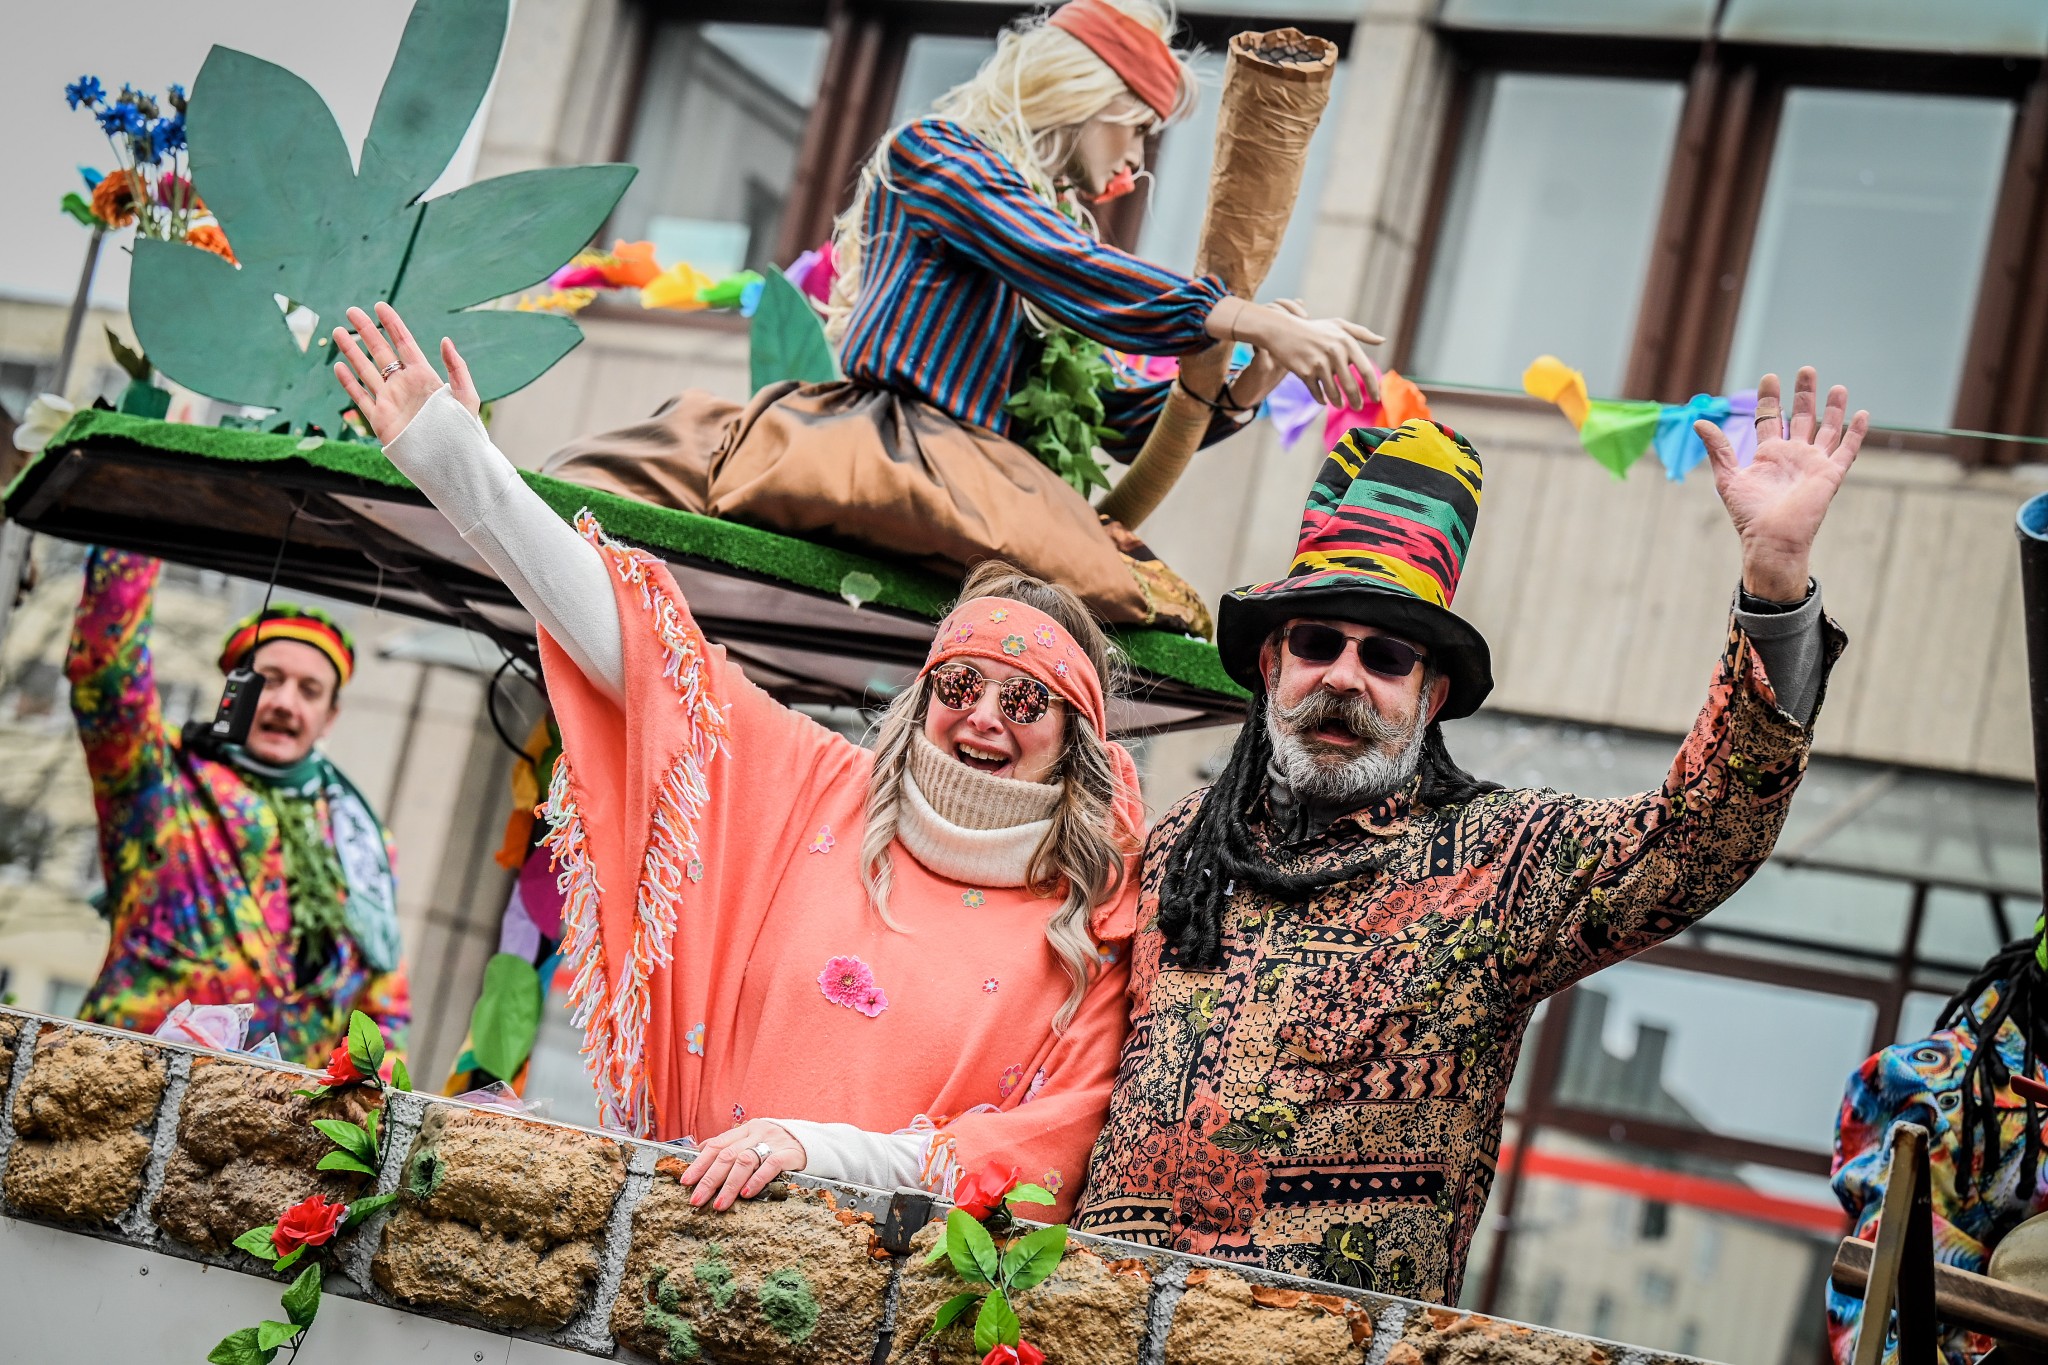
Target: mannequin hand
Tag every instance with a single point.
(1778, 499)
(1328, 353)
(388, 403)
(1263, 373)
(728, 1168)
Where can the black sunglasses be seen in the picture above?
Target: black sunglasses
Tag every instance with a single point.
(1381, 654)
(1022, 700)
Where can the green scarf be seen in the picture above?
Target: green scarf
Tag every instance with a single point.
(337, 883)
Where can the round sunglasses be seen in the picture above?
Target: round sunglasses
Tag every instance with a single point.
(1381, 654)
(1021, 700)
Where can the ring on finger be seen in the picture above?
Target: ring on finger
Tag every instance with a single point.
(1769, 414)
(762, 1151)
(393, 368)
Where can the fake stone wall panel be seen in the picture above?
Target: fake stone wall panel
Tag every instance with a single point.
(502, 1219)
(10, 1029)
(246, 1148)
(1442, 1336)
(794, 1278)
(1092, 1309)
(1223, 1319)
(81, 1126)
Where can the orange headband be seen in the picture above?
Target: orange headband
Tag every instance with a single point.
(1128, 48)
(1015, 633)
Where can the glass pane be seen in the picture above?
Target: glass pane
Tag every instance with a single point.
(1548, 227)
(933, 65)
(1979, 26)
(1877, 212)
(1671, 1252)
(1959, 930)
(1710, 1053)
(1865, 915)
(1972, 831)
(1180, 186)
(1677, 18)
(716, 140)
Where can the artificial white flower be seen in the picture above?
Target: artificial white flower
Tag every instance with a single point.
(46, 416)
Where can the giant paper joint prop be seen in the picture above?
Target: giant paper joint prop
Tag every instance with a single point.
(310, 228)
(1274, 91)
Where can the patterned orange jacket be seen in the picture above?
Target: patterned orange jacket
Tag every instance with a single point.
(1328, 1102)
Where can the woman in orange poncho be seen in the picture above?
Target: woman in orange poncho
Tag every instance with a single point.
(879, 966)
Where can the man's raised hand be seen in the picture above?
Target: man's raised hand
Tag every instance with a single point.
(393, 381)
(1778, 499)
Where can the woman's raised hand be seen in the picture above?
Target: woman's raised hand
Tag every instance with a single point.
(1328, 353)
(391, 383)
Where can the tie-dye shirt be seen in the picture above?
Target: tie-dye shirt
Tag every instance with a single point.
(189, 846)
(1922, 1082)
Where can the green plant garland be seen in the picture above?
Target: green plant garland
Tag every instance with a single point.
(1059, 408)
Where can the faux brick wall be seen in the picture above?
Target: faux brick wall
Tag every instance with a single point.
(585, 1241)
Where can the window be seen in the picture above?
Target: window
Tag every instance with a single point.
(1548, 226)
(933, 64)
(1878, 209)
(721, 120)
(1656, 1223)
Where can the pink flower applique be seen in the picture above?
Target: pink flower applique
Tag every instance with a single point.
(991, 985)
(963, 632)
(1012, 1077)
(822, 841)
(1013, 645)
(843, 980)
(695, 1038)
(1037, 1084)
(871, 1001)
(1053, 1181)
(1044, 635)
(695, 870)
(1060, 668)
(999, 615)
(739, 1113)
(973, 900)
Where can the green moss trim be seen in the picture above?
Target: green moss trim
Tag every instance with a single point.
(788, 1305)
(716, 1276)
(787, 559)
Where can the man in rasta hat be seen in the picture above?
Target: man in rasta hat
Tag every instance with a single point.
(251, 873)
(1345, 937)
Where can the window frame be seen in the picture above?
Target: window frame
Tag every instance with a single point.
(1706, 227)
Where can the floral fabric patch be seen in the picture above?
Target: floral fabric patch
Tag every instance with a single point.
(1013, 645)
(822, 841)
(991, 985)
(999, 615)
(695, 1039)
(973, 900)
(1012, 1077)
(849, 982)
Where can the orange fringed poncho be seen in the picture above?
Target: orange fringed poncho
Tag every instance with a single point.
(727, 962)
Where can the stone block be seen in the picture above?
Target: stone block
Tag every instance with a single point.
(1224, 1319)
(10, 1029)
(786, 1277)
(1444, 1336)
(246, 1150)
(81, 1126)
(503, 1219)
(1091, 1308)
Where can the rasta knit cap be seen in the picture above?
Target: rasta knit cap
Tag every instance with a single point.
(286, 621)
(1383, 543)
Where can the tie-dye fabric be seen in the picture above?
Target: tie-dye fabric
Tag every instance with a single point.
(1922, 1082)
(189, 846)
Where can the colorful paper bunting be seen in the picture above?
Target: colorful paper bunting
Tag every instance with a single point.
(1678, 446)
(1399, 401)
(680, 287)
(1292, 410)
(1617, 433)
(1554, 381)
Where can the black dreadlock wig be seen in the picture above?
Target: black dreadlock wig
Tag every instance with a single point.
(1216, 848)
(2022, 1002)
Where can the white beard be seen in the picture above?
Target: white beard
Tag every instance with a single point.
(1313, 774)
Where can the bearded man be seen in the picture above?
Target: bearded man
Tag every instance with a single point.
(250, 873)
(1346, 936)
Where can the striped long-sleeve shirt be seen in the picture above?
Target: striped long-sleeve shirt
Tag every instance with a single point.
(955, 240)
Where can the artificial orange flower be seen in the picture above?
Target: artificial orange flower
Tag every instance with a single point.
(635, 267)
(207, 237)
(113, 200)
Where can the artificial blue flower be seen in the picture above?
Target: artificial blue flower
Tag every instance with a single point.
(169, 134)
(84, 90)
(92, 177)
(177, 95)
(121, 117)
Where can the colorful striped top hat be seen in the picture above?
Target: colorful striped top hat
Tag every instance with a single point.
(307, 625)
(1383, 542)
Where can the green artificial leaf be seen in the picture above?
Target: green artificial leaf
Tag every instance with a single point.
(306, 226)
(256, 1241)
(996, 1324)
(133, 363)
(506, 1019)
(858, 587)
(76, 206)
(240, 1348)
(1032, 1257)
(788, 340)
(972, 1249)
(364, 1207)
(370, 1126)
(401, 1079)
(1031, 1194)
(271, 1334)
(355, 1141)
(365, 1043)
(318, 1092)
(940, 1249)
(343, 1161)
(302, 1301)
(290, 1259)
(311, 443)
(950, 1312)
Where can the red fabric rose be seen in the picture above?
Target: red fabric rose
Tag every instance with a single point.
(1023, 1353)
(341, 1068)
(981, 1194)
(310, 1223)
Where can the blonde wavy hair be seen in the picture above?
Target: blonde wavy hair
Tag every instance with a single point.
(1081, 858)
(1028, 101)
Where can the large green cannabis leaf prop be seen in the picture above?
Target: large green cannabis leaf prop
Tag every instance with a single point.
(309, 227)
